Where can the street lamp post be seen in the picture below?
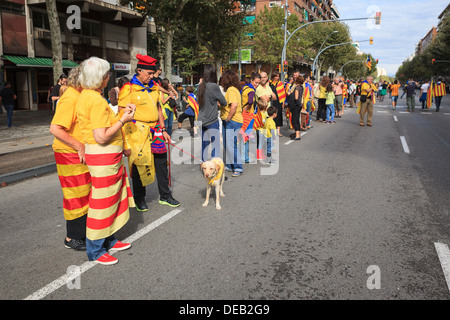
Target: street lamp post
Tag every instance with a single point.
(283, 53)
(333, 45)
(342, 68)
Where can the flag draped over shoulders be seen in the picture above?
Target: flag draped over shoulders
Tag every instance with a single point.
(192, 99)
(430, 95)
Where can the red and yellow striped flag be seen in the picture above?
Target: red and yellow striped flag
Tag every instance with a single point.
(430, 95)
(369, 63)
(439, 89)
(194, 104)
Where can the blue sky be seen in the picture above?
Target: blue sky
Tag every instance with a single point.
(403, 24)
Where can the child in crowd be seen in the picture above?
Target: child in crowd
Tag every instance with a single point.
(270, 131)
(258, 125)
(191, 111)
(330, 104)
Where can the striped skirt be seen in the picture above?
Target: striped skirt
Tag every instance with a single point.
(111, 195)
(75, 182)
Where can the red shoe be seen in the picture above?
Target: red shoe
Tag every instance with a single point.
(107, 260)
(119, 246)
(260, 154)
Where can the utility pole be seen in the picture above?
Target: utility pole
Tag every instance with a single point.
(283, 54)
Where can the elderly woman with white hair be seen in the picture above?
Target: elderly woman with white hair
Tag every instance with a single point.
(111, 195)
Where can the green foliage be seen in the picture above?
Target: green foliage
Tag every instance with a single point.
(421, 66)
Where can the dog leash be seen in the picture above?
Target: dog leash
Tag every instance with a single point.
(170, 160)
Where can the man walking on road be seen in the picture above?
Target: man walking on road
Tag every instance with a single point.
(368, 91)
(394, 94)
(411, 96)
(438, 93)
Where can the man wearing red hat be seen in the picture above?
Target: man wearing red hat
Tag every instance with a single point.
(145, 137)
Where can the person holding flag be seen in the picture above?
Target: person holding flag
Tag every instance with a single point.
(248, 112)
(280, 93)
(368, 90)
(368, 63)
(191, 111)
(438, 92)
(308, 101)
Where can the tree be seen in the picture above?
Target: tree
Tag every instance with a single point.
(56, 39)
(217, 25)
(268, 37)
(167, 14)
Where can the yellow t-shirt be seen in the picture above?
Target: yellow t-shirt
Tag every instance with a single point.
(146, 103)
(94, 112)
(264, 91)
(269, 126)
(232, 96)
(394, 89)
(323, 92)
(366, 86)
(66, 117)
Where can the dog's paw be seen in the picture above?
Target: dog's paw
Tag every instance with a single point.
(218, 207)
(222, 194)
(205, 204)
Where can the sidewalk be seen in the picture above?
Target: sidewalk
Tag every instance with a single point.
(29, 130)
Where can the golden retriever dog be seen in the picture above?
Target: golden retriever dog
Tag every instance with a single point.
(213, 172)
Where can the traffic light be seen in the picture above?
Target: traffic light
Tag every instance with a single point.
(278, 68)
(285, 67)
(371, 40)
(433, 61)
(222, 69)
(377, 61)
(378, 18)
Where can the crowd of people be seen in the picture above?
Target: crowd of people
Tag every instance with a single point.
(93, 134)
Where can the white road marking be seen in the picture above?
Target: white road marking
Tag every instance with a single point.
(382, 111)
(444, 257)
(290, 141)
(446, 114)
(395, 119)
(403, 112)
(425, 113)
(404, 144)
(63, 280)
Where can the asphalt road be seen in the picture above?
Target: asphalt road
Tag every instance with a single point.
(348, 215)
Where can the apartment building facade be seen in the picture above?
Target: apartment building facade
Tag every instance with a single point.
(105, 30)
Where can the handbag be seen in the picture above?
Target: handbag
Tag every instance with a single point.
(172, 103)
(363, 98)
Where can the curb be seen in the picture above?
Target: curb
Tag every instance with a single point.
(27, 173)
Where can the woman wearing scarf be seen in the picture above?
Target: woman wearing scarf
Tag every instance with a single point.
(280, 93)
(248, 111)
(110, 196)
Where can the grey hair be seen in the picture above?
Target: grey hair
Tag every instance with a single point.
(93, 72)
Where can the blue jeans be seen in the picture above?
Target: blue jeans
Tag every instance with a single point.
(211, 136)
(438, 100)
(9, 113)
(330, 112)
(308, 109)
(96, 248)
(169, 121)
(269, 147)
(230, 134)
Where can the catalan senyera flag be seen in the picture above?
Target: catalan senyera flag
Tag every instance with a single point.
(281, 91)
(430, 95)
(307, 96)
(75, 181)
(369, 63)
(111, 194)
(194, 104)
(439, 89)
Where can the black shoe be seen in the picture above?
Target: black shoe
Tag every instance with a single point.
(170, 201)
(78, 245)
(141, 205)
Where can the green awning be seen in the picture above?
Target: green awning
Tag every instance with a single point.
(37, 62)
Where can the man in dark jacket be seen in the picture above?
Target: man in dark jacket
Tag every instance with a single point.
(7, 97)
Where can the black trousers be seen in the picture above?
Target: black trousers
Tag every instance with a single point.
(296, 117)
(162, 178)
(183, 117)
(76, 228)
(322, 110)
